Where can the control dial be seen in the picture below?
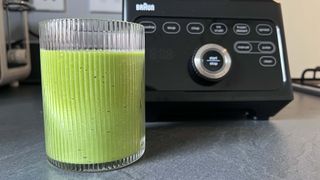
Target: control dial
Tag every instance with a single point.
(212, 62)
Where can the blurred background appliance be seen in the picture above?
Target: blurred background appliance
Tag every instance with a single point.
(15, 63)
(309, 81)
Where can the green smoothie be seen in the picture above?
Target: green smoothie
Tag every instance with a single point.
(93, 104)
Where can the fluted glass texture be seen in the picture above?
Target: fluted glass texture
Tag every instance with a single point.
(93, 93)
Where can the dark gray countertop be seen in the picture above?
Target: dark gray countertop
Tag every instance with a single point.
(287, 147)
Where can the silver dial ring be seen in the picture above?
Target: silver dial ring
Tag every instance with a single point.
(206, 73)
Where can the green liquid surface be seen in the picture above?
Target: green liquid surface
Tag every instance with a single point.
(93, 105)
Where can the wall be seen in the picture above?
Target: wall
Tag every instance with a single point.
(302, 26)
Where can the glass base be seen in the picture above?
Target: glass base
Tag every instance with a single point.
(108, 166)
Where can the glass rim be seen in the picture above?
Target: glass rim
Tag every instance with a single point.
(42, 22)
(90, 33)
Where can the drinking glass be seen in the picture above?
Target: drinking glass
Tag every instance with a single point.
(93, 93)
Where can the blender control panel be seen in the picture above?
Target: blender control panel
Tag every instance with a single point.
(212, 54)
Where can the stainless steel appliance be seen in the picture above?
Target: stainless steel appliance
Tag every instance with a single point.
(15, 63)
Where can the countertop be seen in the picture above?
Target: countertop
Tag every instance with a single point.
(286, 147)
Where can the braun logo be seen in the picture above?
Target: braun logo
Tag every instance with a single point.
(145, 7)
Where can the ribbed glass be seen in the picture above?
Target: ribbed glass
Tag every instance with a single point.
(93, 93)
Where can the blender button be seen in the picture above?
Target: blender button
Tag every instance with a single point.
(171, 28)
(242, 47)
(241, 29)
(218, 29)
(195, 28)
(266, 47)
(149, 26)
(268, 61)
(264, 29)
